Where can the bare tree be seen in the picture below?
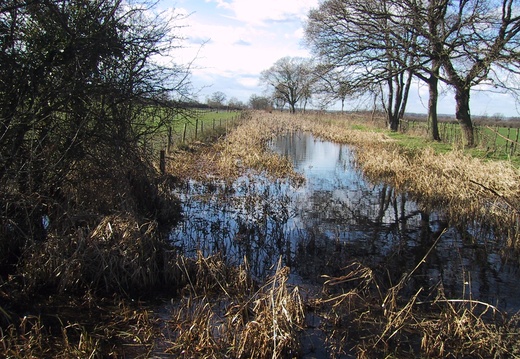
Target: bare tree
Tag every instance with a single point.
(260, 102)
(290, 79)
(462, 43)
(365, 39)
(217, 99)
(235, 104)
(331, 86)
(484, 34)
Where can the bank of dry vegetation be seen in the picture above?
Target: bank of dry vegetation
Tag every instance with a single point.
(86, 292)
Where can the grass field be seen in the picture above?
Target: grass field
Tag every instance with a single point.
(494, 140)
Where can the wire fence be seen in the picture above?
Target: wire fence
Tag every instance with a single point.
(502, 138)
(190, 130)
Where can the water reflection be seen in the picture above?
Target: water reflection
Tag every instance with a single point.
(337, 217)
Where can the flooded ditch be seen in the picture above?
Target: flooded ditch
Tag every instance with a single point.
(336, 218)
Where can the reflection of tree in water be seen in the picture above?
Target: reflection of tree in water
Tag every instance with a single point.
(292, 146)
(249, 224)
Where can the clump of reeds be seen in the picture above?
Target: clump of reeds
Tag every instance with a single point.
(465, 188)
(117, 330)
(242, 150)
(372, 322)
(242, 323)
(120, 255)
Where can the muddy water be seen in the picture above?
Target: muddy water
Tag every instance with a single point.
(336, 218)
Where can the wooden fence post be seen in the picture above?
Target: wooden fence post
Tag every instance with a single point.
(169, 139)
(184, 133)
(516, 140)
(196, 127)
(162, 163)
(508, 144)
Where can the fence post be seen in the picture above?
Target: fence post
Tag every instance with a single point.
(169, 139)
(508, 144)
(196, 127)
(516, 140)
(184, 133)
(496, 138)
(213, 124)
(162, 163)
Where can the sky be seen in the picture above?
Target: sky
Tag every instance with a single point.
(232, 41)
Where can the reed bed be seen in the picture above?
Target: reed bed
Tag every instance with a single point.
(121, 330)
(364, 320)
(119, 255)
(241, 151)
(362, 317)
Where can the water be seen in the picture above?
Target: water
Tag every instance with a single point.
(336, 218)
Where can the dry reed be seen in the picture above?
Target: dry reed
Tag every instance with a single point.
(121, 331)
(242, 323)
(119, 255)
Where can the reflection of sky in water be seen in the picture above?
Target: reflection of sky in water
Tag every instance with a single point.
(263, 220)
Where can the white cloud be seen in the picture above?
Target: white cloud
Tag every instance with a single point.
(261, 12)
(251, 82)
(241, 38)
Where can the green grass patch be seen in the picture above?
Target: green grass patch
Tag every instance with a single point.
(208, 119)
(417, 142)
(412, 143)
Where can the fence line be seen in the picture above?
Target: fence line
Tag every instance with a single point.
(496, 138)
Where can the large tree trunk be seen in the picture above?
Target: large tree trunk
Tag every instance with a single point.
(392, 117)
(433, 125)
(406, 92)
(463, 116)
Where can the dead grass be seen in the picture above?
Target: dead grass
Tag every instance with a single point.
(242, 323)
(120, 255)
(465, 188)
(373, 323)
(242, 150)
(121, 330)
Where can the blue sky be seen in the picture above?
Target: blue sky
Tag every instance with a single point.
(243, 37)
